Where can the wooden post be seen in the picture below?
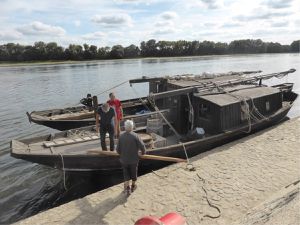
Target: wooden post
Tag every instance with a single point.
(95, 105)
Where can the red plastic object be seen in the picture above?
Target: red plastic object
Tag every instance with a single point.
(168, 219)
(172, 219)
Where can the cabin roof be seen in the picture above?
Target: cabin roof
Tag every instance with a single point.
(196, 80)
(247, 91)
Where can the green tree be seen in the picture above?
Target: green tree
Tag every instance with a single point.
(131, 51)
(295, 46)
(54, 52)
(103, 52)
(74, 52)
(117, 52)
(149, 48)
(274, 47)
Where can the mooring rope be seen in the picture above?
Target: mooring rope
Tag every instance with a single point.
(63, 168)
(203, 188)
(64, 171)
(208, 201)
(143, 102)
(118, 85)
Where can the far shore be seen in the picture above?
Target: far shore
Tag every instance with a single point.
(58, 62)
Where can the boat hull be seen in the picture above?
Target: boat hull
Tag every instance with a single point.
(65, 124)
(109, 164)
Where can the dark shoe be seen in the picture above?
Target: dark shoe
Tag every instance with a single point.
(133, 188)
(127, 191)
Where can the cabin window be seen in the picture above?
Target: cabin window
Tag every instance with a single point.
(267, 106)
(203, 110)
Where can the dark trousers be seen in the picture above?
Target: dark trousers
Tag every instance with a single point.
(130, 171)
(110, 130)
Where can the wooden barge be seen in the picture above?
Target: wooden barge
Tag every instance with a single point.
(199, 116)
(80, 116)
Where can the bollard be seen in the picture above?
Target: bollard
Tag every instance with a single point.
(168, 219)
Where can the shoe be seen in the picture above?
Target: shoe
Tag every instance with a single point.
(127, 191)
(133, 188)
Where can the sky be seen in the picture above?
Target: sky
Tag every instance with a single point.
(125, 22)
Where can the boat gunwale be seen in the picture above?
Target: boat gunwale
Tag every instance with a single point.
(185, 144)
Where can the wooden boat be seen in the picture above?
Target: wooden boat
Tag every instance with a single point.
(200, 118)
(80, 116)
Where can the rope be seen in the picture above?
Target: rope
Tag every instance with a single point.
(63, 167)
(64, 171)
(208, 201)
(191, 112)
(135, 92)
(118, 85)
(203, 188)
(250, 114)
(165, 119)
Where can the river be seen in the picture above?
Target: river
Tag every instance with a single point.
(27, 188)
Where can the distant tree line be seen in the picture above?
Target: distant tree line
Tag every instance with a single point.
(41, 51)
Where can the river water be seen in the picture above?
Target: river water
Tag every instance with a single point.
(27, 188)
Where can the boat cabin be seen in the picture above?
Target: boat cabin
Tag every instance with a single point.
(217, 111)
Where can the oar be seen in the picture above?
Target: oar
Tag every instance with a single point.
(151, 157)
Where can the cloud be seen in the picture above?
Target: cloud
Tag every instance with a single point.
(94, 36)
(210, 24)
(212, 4)
(297, 22)
(168, 15)
(39, 28)
(260, 14)
(77, 23)
(164, 23)
(10, 35)
(279, 4)
(163, 31)
(284, 23)
(231, 25)
(113, 20)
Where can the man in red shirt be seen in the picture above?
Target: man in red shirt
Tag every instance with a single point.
(116, 104)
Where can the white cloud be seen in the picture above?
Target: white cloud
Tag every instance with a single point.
(94, 36)
(164, 23)
(113, 20)
(169, 15)
(212, 4)
(231, 24)
(163, 31)
(39, 28)
(278, 4)
(77, 23)
(280, 23)
(261, 14)
(10, 35)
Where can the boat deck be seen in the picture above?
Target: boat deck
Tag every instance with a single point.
(81, 145)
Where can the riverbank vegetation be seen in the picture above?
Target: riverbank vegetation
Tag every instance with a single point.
(41, 51)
